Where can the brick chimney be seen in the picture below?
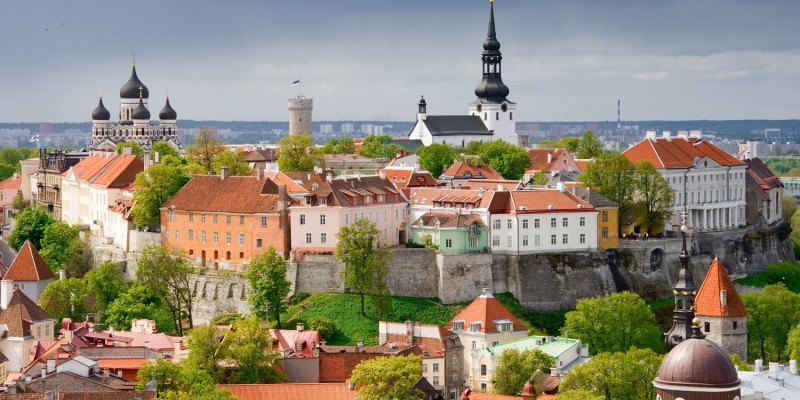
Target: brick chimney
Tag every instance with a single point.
(223, 173)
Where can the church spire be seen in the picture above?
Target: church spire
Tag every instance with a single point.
(684, 291)
(491, 88)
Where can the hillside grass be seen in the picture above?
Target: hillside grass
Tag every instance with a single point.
(786, 272)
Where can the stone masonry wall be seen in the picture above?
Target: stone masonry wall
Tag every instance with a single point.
(216, 295)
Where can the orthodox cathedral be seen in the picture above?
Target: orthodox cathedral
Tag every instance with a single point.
(490, 116)
(134, 119)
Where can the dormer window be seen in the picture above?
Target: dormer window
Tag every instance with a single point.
(323, 201)
(314, 186)
(458, 325)
(474, 326)
(367, 199)
(298, 346)
(473, 230)
(381, 198)
(467, 174)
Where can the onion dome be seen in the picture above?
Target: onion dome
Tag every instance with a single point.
(491, 87)
(141, 112)
(167, 113)
(134, 88)
(101, 113)
(697, 363)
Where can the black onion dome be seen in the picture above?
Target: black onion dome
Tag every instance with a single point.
(130, 90)
(422, 101)
(101, 113)
(167, 113)
(141, 112)
(491, 86)
(491, 43)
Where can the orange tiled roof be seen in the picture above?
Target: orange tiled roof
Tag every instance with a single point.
(282, 179)
(582, 163)
(428, 196)
(492, 396)
(707, 301)
(486, 184)
(486, 309)
(677, 152)
(539, 158)
(211, 193)
(121, 173)
(292, 391)
(20, 314)
(122, 363)
(13, 182)
(287, 340)
(89, 166)
(460, 169)
(540, 200)
(407, 177)
(29, 266)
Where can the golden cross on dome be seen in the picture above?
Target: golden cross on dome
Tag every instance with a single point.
(140, 91)
(133, 58)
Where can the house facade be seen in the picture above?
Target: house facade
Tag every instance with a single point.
(764, 194)
(453, 233)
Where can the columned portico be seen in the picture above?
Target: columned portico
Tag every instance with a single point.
(712, 218)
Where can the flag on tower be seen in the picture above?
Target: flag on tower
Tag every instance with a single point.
(297, 82)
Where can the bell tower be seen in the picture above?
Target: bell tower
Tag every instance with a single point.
(684, 291)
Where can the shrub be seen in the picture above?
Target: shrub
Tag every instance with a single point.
(298, 297)
(325, 326)
(226, 319)
(412, 245)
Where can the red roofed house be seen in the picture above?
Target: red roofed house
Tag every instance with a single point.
(461, 171)
(708, 182)
(292, 391)
(482, 324)
(764, 194)
(722, 312)
(8, 191)
(29, 272)
(550, 160)
(226, 220)
(442, 352)
(299, 351)
(22, 322)
(403, 177)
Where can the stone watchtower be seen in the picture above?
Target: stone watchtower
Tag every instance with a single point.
(684, 291)
(722, 311)
(300, 115)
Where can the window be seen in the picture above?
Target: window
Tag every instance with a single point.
(322, 219)
(495, 240)
(191, 234)
(552, 222)
(458, 325)
(203, 237)
(734, 324)
(228, 237)
(565, 222)
(707, 327)
(483, 385)
(448, 243)
(583, 238)
(308, 238)
(524, 240)
(214, 218)
(435, 378)
(259, 243)
(475, 327)
(582, 221)
(454, 362)
(524, 224)
(435, 367)
(177, 234)
(263, 221)
(216, 237)
(323, 237)
(536, 223)
(241, 220)
(483, 371)
(323, 201)
(191, 217)
(302, 219)
(604, 233)
(553, 239)
(241, 238)
(228, 219)
(495, 343)
(203, 218)
(473, 242)
(508, 241)
(347, 219)
(565, 238)
(496, 224)
(537, 240)
(508, 223)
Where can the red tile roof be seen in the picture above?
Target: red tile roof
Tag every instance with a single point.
(477, 198)
(282, 179)
(407, 177)
(29, 266)
(707, 301)
(122, 363)
(292, 391)
(678, 152)
(121, 172)
(13, 182)
(287, 340)
(90, 166)
(539, 158)
(448, 220)
(460, 169)
(546, 200)
(235, 194)
(20, 314)
(486, 309)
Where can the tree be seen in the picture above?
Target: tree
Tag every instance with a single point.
(19, 203)
(236, 164)
(365, 260)
(135, 148)
(388, 378)
(297, 153)
(516, 367)
(166, 273)
(324, 325)
(436, 157)
(621, 375)
(11, 156)
(6, 171)
(206, 146)
(579, 394)
(179, 381)
(772, 314)
(571, 143)
(509, 160)
(246, 346)
(205, 350)
(58, 243)
(788, 206)
(154, 186)
(64, 298)
(165, 149)
(31, 224)
(614, 323)
(612, 176)
(105, 284)
(378, 146)
(473, 148)
(139, 302)
(654, 195)
(269, 292)
(342, 145)
(590, 146)
(81, 260)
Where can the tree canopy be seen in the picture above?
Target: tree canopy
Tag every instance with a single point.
(612, 176)
(589, 146)
(516, 367)
(614, 323)
(788, 206)
(105, 283)
(620, 375)
(234, 161)
(436, 157)
(246, 346)
(365, 260)
(378, 146)
(202, 152)
(388, 378)
(654, 196)
(772, 314)
(166, 272)
(135, 148)
(139, 302)
(297, 153)
(154, 186)
(509, 160)
(64, 298)
(269, 289)
(58, 244)
(179, 381)
(341, 145)
(31, 224)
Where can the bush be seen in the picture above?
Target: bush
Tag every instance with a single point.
(298, 297)
(412, 245)
(226, 319)
(325, 326)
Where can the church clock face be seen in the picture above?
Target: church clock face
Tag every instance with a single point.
(480, 107)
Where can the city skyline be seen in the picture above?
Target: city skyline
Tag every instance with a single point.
(360, 60)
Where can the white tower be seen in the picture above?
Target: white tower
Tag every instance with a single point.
(300, 115)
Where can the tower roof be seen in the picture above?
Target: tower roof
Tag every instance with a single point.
(167, 113)
(130, 90)
(709, 301)
(487, 310)
(491, 88)
(101, 113)
(21, 313)
(141, 112)
(29, 266)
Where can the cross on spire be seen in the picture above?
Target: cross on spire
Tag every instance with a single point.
(133, 58)
(140, 91)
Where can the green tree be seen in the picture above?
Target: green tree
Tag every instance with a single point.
(31, 224)
(740, 364)
(6, 171)
(473, 148)
(179, 381)
(378, 146)
(81, 259)
(654, 195)
(516, 367)
(135, 148)
(154, 186)
(388, 378)
(614, 323)
(19, 203)
(205, 350)
(365, 259)
(571, 143)
(590, 146)
(509, 160)
(621, 375)
(795, 223)
(788, 206)
(205, 148)
(58, 243)
(436, 157)
(139, 302)
(245, 345)
(324, 325)
(165, 149)
(772, 314)
(342, 145)
(612, 176)
(297, 153)
(579, 394)
(166, 273)
(105, 284)
(237, 166)
(11, 156)
(64, 298)
(269, 289)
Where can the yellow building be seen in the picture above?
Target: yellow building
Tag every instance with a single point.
(607, 217)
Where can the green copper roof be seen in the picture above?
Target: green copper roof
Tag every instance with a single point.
(554, 346)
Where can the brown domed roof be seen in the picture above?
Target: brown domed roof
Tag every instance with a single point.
(698, 363)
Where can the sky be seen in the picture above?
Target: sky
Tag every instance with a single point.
(563, 60)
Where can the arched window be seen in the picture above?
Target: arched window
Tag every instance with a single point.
(497, 116)
(511, 115)
(707, 327)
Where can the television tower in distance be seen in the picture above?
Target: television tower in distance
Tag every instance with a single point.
(619, 119)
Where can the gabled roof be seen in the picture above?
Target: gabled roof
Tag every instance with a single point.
(539, 158)
(766, 178)
(282, 179)
(351, 192)
(29, 266)
(90, 166)
(427, 196)
(486, 309)
(678, 152)
(445, 220)
(545, 200)
(491, 184)
(234, 194)
(593, 197)
(12, 182)
(20, 314)
(260, 155)
(708, 299)
(287, 340)
(756, 185)
(121, 172)
(446, 125)
(403, 177)
(292, 391)
(462, 170)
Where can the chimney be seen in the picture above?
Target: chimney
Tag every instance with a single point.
(119, 374)
(106, 374)
(51, 365)
(650, 135)
(549, 157)
(486, 292)
(127, 150)
(68, 335)
(382, 174)
(499, 187)
(667, 135)
(723, 298)
(176, 350)
(260, 173)
(793, 367)
(223, 173)
(300, 327)
(409, 332)
(110, 331)
(329, 177)
(759, 365)
(561, 187)
(773, 370)
(62, 274)
(360, 343)
(44, 372)
(6, 291)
